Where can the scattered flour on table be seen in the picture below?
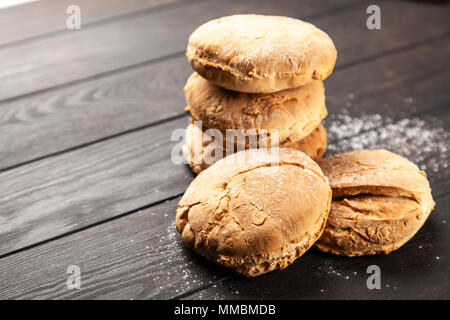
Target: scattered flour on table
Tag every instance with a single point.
(176, 264)
(424, 142)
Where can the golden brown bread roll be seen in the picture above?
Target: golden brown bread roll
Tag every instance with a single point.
(201, 155)
(255, 210)
(380, 200)
(257, 53)
(294, 113)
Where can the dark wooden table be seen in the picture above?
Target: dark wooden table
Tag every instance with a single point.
(86, 176)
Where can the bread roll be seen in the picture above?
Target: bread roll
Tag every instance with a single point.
(294, 113)
(255, 211)
(380, 200)
(257, 53)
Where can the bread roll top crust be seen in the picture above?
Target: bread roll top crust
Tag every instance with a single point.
(255, 204)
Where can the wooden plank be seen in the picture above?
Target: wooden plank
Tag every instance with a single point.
(31, 67)
(43, 17)
(65, 118)
(76, 189)
(135, 257)
(120, 194)
(395, 85)
(141, 256)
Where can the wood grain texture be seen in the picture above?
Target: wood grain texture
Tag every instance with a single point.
(422, 138)
(141, 256)
(65, 118)
(84, 53)
(61, 194)
(64, 193)
(134, 257)
(49, 16)
(79, 55)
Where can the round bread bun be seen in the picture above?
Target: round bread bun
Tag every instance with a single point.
(256, 210)
(294, 113)
(380, 200)
(257, 53)
(201, 155)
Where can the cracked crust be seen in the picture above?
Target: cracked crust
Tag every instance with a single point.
(253, 213)
(380, 200)
(257, 53)
(294, 113)
(200, 148)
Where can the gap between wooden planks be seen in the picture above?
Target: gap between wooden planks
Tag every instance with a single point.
(426, 105)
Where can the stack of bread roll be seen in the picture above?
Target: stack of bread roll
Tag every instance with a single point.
(255, 211)
(259, 76)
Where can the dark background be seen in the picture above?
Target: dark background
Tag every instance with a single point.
(86, 177)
